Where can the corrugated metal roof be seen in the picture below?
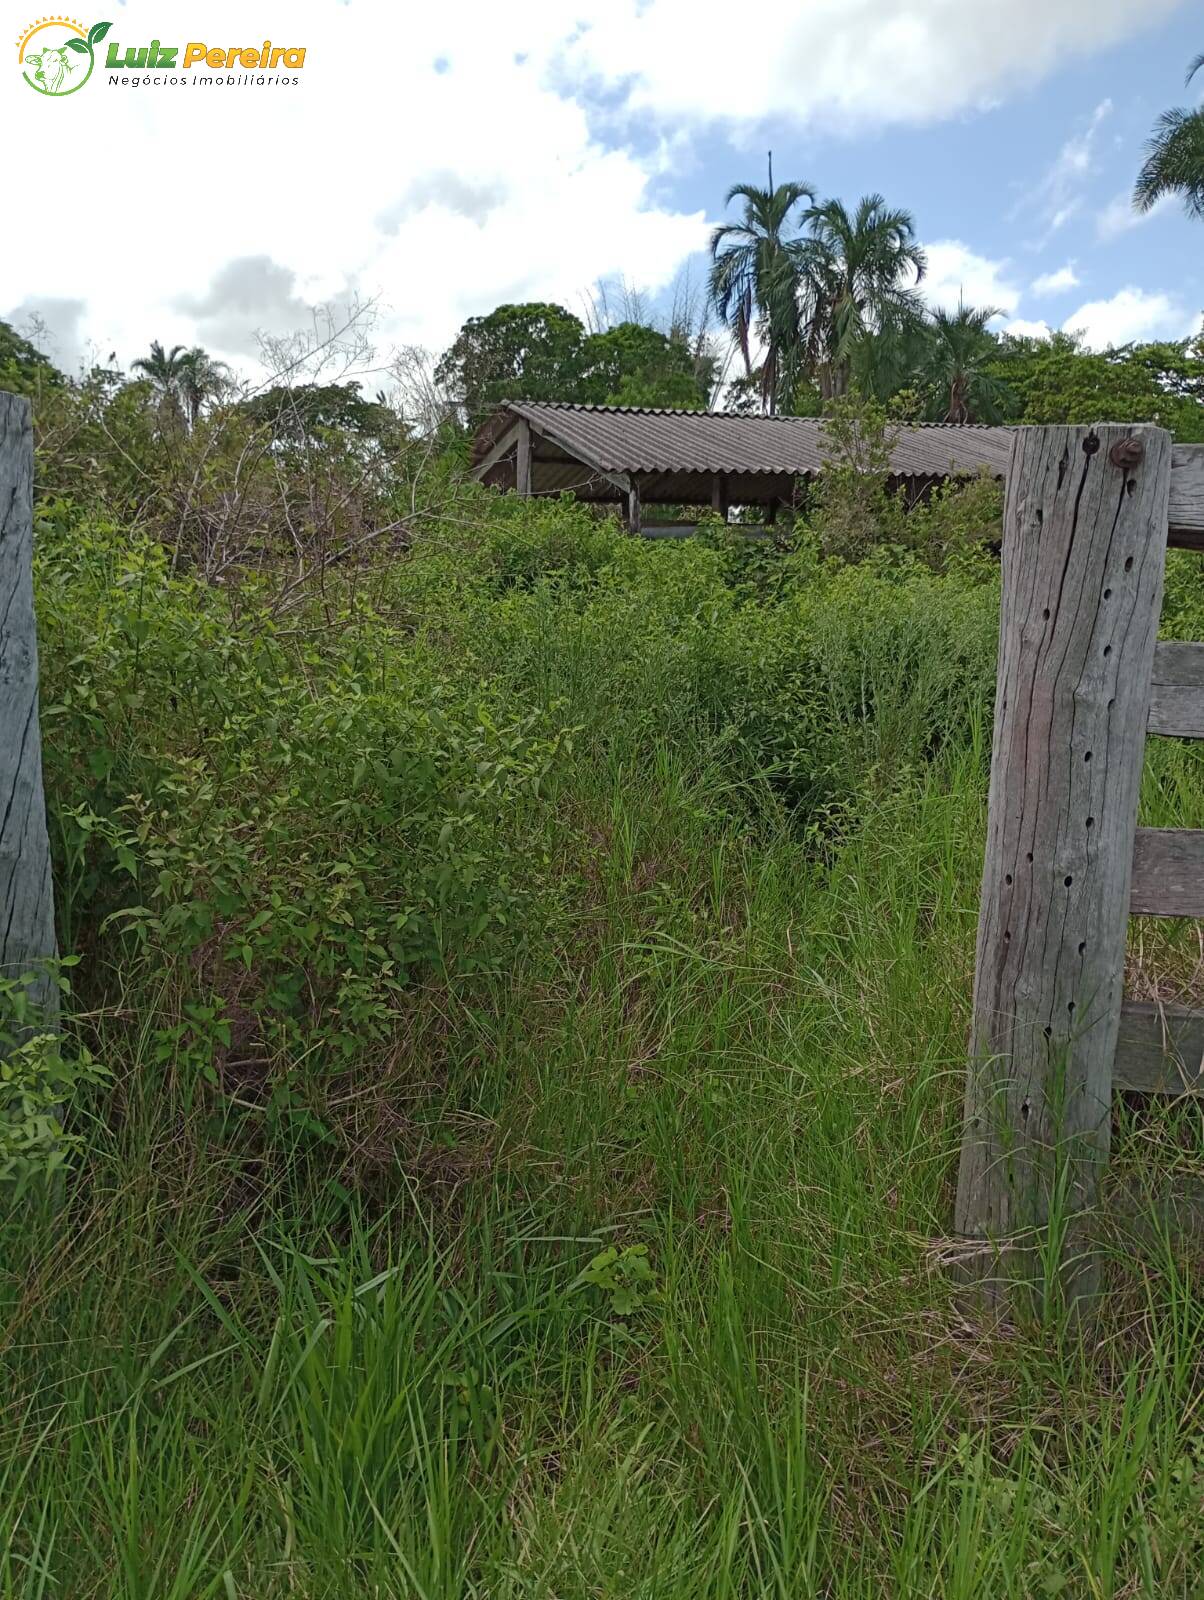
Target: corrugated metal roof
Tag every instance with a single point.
(623, 439)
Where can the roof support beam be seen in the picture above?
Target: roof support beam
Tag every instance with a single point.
(634, 521)
(522, 461)
(502, 448)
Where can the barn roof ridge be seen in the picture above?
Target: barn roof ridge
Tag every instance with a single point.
(595, 449)
(733, 416)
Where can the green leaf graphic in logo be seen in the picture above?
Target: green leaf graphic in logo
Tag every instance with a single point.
(48, 69)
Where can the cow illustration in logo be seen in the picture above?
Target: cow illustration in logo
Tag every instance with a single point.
(56, 55)
(49, 68)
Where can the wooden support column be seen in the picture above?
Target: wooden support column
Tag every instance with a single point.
(634, 519)
(719, 499)
(522, 461)
(1084, 546)
(26, 898)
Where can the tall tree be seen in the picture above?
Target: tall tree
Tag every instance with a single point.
(857, 277)
(200, 378)
(754, 279)
(165, 371)
(954, 368)
(1174, 162)
(517, 352)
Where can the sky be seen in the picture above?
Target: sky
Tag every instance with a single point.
(441, 160)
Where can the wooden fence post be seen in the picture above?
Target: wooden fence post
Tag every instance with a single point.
(1084, 544)
(26, 896)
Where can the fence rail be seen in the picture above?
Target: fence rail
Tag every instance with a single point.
(1088, 516)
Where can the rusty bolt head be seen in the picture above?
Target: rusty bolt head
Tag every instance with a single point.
(1127, 453)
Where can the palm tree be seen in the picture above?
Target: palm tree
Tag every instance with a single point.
(953, 366)
(854, 272)
(165, 369)
(201, 378)
(754, 278)
(183, 378)
(1174, 162)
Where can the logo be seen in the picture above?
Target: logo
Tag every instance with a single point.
(56, 54)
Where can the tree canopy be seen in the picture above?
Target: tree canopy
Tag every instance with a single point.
(543, 352)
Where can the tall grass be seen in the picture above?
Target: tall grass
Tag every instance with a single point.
(347, 1340)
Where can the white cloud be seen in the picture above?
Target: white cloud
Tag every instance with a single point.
(957, 273)
(1119, 215)
(469, 154)
(1021, 328)
(1056, 197)
(850, 62)
(1056, 282)
(1131, 313)
(208, 212)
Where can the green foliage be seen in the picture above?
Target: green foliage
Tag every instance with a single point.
(542, 352)
(416, 1011)
(37, 1080)
(517, 352)
(624, 1278)
(1174, 162)
(633, 365)
(309, 413)
(1057, 380)
(23, 367)
(854, 508)
(198, 749)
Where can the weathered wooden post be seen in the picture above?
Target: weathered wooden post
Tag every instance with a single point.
(1085, 527)
(27, 940)
(522, 460)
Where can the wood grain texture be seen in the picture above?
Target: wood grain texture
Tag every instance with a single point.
(1186, 508)
(1168, 873)
(522, 461)
(1177, 697)
(1083, 555)
(1159, 1049)
(26, 899)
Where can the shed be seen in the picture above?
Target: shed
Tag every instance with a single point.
(639, 456)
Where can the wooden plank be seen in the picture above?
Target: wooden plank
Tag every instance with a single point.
(634, 515)
(522, 461)
(1186, 508)
(1084, 543)
(502, 448)
(1159, 1050)
(1168, 873)
(26, 897)
(1177, 700)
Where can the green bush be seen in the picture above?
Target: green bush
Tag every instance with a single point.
(293, 823)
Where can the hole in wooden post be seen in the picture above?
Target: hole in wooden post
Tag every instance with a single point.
(1086, 755)
(1070, 1006)
(1107, 649)
(1107, 594)
(1091, 822)
(1090, 444)
(1130, 485)
(1007, 936)
(1029, 856)
(1008, 880)
(1129, 564)
(1068, 880)
(1045, 614)
(1047, 1031)
(1026, 1105)
(1082, 947)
